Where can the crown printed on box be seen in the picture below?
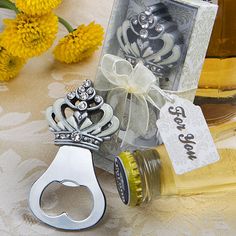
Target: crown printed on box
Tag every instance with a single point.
(82, 118)
(153, 38)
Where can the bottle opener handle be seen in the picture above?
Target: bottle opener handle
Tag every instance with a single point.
(72, 166)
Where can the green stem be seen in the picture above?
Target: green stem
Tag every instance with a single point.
(11, 6)
(8, 5)
(66, 24)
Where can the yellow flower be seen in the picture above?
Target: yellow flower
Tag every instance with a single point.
(9, 65)
(29, 36)
(37, 7)
(79, 44)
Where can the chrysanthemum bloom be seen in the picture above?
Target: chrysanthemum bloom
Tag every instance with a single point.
(79, 44)
(37, 7)
(9, 65)
(28, 36)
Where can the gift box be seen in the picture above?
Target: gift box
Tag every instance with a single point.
(151, 47)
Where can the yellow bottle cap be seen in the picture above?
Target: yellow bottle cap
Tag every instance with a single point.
(128, 179)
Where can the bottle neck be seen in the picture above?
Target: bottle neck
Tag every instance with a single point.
(148, 162)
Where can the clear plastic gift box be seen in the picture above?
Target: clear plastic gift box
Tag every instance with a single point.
(170, 38)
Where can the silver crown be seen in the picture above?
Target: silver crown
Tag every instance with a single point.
(82, 118)
(153, 38)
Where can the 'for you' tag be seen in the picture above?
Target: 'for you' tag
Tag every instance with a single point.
(186, 136)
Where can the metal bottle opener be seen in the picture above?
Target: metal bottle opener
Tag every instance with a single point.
(153, 38)
(80, 122)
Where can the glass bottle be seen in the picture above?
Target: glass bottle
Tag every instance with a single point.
(217, 86)
(144, 175)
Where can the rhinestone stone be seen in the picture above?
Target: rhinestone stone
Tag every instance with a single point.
(82, 106)
(71, 95)
(143, 20)
(90, 91)
(151, 19)
(87, 83)
(153, 68)
(76, 136)
(143, 33)
(159, 28)
(97, 99)
(62, 136)
(87, 140)
(145, 25)
(148, 11)
(96, 142)
(143, 17)
(83, 96)
(81, 89)
(134, 21)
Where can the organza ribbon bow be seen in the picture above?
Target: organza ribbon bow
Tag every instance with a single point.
(129, 92)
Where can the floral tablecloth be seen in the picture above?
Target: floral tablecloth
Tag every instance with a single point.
(26, 150)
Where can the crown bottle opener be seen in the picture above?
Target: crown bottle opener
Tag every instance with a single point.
(153, 38)
(78, 133)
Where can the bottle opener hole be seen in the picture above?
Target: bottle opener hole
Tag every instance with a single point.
(77, 202)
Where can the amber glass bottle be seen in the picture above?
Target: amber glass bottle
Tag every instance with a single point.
(217, 87)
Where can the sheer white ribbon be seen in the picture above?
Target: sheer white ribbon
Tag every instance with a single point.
(129, 91)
